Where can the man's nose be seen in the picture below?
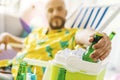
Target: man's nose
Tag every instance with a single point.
(56, 12)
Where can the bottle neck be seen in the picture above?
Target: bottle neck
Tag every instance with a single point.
(111, 36)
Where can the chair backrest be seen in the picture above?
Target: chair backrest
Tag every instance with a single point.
(96, 17)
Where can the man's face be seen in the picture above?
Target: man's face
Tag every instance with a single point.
(56, 14)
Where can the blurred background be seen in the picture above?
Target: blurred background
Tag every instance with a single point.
(33, 13)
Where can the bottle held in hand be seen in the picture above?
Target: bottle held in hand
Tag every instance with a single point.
(97, 37)
(22, 71)
(86, 55)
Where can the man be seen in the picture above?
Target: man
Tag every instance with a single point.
(42, 44)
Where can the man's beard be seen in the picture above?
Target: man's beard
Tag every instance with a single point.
(57, 26)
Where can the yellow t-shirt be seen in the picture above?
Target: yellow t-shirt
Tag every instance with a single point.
(43, 45)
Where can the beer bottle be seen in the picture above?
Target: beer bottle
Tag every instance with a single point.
(97, 37)
(22, 71)
(86, 55)
(61, 74)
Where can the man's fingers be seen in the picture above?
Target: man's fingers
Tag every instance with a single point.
(103, 53)
(6, 42)
(100, 44)
(102, 48)
(0, 45)
(4, 39)
(0, 51)
(91, 39)
(100, 52)
(102, 57)
(5, 46)
(96, 54)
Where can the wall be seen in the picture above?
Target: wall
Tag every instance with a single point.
(9, 17)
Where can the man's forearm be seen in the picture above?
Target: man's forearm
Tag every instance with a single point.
(14, 39)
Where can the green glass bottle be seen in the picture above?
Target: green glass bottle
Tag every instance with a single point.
(97, 37)
(86, 55)
(61, 74)
(112, 35)
(22, 71)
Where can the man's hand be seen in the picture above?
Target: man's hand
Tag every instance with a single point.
(102, 48)
(4, 39)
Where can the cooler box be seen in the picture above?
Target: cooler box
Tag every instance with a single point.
(68, 65)
(90, 72)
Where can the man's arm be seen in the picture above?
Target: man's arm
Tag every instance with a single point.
(6, 38)
(102, 48)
